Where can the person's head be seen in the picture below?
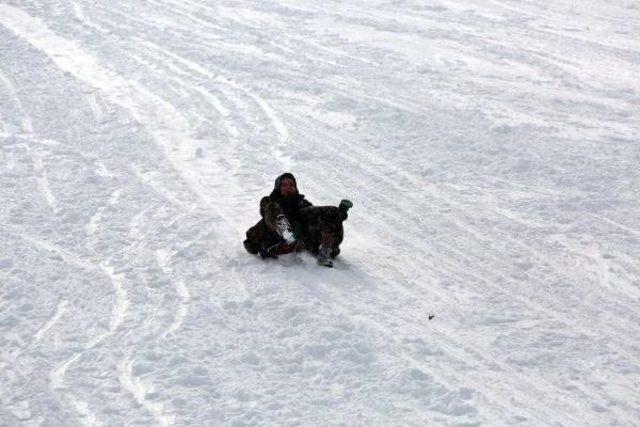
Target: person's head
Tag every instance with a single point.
(286, 185)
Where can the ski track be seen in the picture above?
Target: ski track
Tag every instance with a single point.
(57, 375)
(43, 183)
(122, 302)
(96, 109)
(38, 162)
(278, 125)
(139, 390)
(150, 179)
(27, 125)
(93, 225)
(189, 65)
(267, 109)
(210, 126)
(164, 259)
(617, 224)
(161, 119)
(60, 310)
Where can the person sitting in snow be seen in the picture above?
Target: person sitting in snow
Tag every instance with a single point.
(291, 223)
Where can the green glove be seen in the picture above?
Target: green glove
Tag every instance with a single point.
(345, 205)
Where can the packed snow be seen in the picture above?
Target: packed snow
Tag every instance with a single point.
(490, 273)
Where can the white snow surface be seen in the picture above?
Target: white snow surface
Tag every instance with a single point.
(490, 273)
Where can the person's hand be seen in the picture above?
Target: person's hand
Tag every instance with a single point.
(343, 207)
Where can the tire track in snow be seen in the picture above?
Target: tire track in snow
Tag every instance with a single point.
(151, 180)
(229, 152)
(281, 129)
(163, 258)
(617, 224)
(94, 222)
(96, 109)
(266, 108)
(162, 121)
(80, 15)
(198, 88)
(175, 9)
(122, 300)
(274, 118)
(224, 112)
(61, 308)
(43, 182)
(57, 375)
(26, 123)
(139, 391)
(38, 162)
(53, 319)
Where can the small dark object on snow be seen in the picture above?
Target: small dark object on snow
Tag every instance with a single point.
(431, 316)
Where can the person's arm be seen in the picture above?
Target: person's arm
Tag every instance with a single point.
(263, 204)
(304, 203)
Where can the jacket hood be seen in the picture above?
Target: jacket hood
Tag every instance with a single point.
(276, 185)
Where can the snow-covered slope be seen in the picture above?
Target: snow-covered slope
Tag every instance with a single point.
(491, 149)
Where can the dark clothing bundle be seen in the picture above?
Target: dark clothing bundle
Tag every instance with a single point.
(310, 224)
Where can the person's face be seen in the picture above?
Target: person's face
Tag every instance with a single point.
(287, 187)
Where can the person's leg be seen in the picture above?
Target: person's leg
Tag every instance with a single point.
(320, 225)
(261, 240)
(271, 213)
(277, 222)
(339, 235)
(256, 236)
(323, 227)
(327, 239)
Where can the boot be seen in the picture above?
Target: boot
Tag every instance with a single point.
(269, 252)
(324, 257)
(283, 228)
(324, 250)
